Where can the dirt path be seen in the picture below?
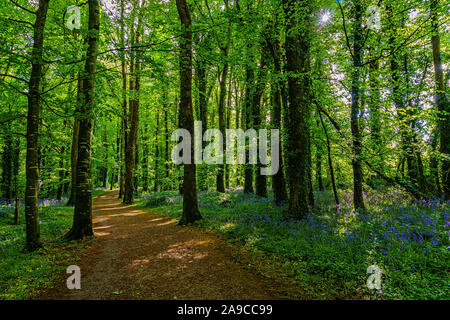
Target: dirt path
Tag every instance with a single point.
(140, 255)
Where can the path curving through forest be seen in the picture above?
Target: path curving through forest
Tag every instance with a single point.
(140, 255)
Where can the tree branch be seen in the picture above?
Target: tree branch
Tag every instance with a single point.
(23, 8)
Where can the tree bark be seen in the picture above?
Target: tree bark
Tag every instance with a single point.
(249, 91)
(166, 140)
(191, 212)
(297, 117)
(358, 200)
(124, 124)
(74, 151)
(82, 220)
(203, 113)
(278, 180)
(260, 180)
(104, 167)
(133, 118)
(7, 157)
(442, 104)
(61, 174)
(15, 168)
(33, 241)
(157, 182)
(319, 164)
(227, 125)
(145, 152)
(220, 186)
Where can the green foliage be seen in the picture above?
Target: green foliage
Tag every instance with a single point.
(25, 275)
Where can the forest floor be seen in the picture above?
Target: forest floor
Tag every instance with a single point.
(141, 255)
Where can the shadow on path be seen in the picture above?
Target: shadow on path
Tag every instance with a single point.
(140, 255)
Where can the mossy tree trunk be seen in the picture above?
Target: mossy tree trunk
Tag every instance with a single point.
(191, 212)
(33, 241)
(298, 112)
(358, 200)
(442, 104)
(82, 220)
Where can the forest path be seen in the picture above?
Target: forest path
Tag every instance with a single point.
(140, 255)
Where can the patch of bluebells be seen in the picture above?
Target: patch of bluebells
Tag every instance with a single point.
(52, 203)
(394, 224)
(7, 212)
(396, 232)
(6, 208)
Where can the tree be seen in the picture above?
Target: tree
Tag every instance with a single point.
(157, 178)
(82, 219)
(191, 212)
(133, 114)
(124, 122)
(33, 241)
(224, 48)
(297, 49)
(358, 200)
(442, 104)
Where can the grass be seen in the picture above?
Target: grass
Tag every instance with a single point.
(23, 276)
(327, 253)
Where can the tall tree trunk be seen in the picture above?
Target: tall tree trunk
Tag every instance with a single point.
(129, 149)
(227, 125)
(260, 180)
(33, 241)
(278, 180)
(104, 175)
(157, 182)
(15, 168)
(191, 212)
(115, 177)
(166, 136)
(238, 124)
(358, 200)
(137, 103)
(136, 168)
(6, 190)
(298, 113)
(203, 113)
(319, 163)
(442, 104)
(61, 174)
(220, 186)
(124, 123)
(74, 151)
(166, 140)
(82, 220)
(145, 152)
(133, 118)
(248, 168)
